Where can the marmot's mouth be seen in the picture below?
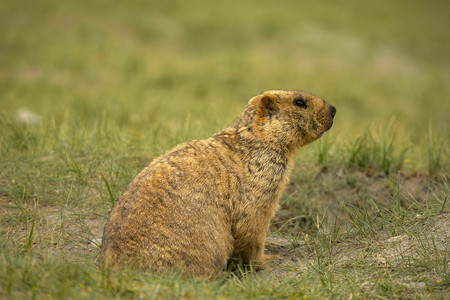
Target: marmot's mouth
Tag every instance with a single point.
(329, 125)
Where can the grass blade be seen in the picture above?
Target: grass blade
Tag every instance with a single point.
(111, 197)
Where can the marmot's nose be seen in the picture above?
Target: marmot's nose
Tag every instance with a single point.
(332, 111)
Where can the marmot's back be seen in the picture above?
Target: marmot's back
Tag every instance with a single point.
(207, 201)
(169, 207)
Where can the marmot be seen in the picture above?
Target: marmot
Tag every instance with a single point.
(207, 201)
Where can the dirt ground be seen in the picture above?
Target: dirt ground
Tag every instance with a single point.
(295, 254)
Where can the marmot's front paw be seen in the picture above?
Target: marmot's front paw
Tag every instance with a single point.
(265, 261)
(267, 257)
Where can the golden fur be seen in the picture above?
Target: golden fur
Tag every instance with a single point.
(207, 201)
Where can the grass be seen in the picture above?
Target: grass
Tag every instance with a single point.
(384, 153)
(92, 91)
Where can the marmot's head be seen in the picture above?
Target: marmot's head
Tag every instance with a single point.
(291, 118)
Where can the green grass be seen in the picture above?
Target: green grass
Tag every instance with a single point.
(114, 84)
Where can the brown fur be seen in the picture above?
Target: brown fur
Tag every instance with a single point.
(207, 201)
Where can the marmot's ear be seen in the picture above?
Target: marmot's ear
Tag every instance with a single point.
(267, 106)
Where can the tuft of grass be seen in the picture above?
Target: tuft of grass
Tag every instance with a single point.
(381, 150)
(436, 150)
(324, 146)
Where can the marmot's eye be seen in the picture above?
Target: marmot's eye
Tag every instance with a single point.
(300, 103)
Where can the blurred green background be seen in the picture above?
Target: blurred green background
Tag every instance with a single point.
(194, 64)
